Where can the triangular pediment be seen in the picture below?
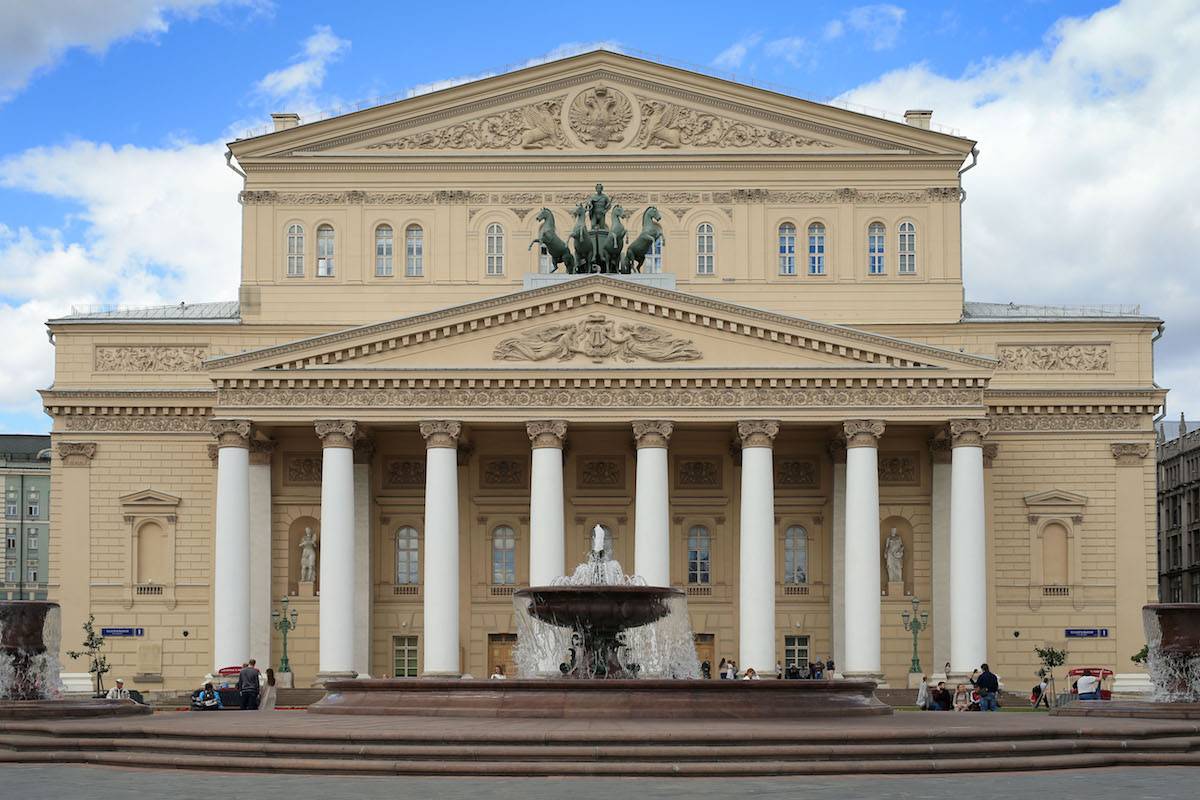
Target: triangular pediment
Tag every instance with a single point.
(1055, 498)
(151, 499)
(600, 323)
(600, 102)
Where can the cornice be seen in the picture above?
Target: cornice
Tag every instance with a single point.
(609, 292)
(560, 162)
(129, 394)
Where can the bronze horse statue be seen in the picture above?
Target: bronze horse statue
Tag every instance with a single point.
(556, 248)
(635, 255)
(585, 253)
(611, 246)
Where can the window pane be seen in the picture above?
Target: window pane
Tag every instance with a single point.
(414, 251)
(504, 572)
(795, 555)
(787, 249)
(295, 251)
(907, 248)
(816, 249)
(383, 251)
(699, 555)
(325, 251)
(408, 563)
(704, 249)
(495, 249)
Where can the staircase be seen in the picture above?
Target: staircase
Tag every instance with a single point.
(285, 699)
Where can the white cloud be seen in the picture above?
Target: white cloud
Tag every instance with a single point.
(160, 225)
(1085, 189)
(34, 35)
(880, 23)
(297, 82)
(788, 48)
(565, 50)
(733, 56)
(834, 29)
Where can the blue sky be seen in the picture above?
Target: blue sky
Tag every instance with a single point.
(112, 187)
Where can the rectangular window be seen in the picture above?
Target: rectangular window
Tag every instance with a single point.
(414, 251)
(404, 658)
(33, 542)
(699, 555)
(816, 250)
(383, 252)
(504, 556)
(795, 652)
(11, 574)
(12, 540)
(11, 510)
(33, 574)
(34, 510)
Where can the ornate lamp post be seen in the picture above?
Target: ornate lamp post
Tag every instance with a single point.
(284, 623)
(916, 622)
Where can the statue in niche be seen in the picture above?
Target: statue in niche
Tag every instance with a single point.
(308, 557)
(893, 554)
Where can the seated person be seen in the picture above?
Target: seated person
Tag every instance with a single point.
(942, 699)
(1089, 686)
(118, 692)
(792, 672)
(207, 699)
(962, 698)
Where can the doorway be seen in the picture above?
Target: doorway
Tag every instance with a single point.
(500, 653)
(706, 650)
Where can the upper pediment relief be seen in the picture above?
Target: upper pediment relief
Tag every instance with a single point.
(600, 102)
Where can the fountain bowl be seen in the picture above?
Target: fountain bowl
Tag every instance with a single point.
(602, 608)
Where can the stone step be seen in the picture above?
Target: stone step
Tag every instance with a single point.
(285, 698)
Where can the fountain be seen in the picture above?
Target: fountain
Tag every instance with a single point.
(30, 687)
(600, 644)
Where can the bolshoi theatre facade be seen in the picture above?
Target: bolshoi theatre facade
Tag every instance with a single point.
(724, 324)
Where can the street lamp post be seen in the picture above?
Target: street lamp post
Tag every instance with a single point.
(284, 623)
(916, 622)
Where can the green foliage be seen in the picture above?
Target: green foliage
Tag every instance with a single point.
(93, 643)
(1051, 657)
(1141, 655)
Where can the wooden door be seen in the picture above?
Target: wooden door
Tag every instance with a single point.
(706, 650)
(500, 653)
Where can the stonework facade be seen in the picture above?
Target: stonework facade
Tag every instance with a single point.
(794, 376)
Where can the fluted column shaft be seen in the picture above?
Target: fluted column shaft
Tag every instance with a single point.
(652, 514)
(231, 556)
(547, 530)
(440, 608)
(968, 542)
(862, 605)
(338, 621)
(756, 579)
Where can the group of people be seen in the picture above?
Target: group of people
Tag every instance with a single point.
(256, 691)
(980, 693)
(728, 670)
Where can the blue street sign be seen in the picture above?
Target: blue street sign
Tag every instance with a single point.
(1086, 633)
(122, 631)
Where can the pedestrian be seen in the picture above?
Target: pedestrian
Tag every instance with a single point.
(706, 670)
(722, 669)
(733, 670)
(778, 670)
(207, 699)
(498, 673)
(118, 692)
(1088, 685)
(989, 686)
(923, 699)
(829, 667)
(1038, 696)
(248, 686)
(267, 701)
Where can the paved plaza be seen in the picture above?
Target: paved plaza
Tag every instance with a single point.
(103, 783)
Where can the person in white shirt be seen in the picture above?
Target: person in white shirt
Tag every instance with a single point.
(498, 673)
(118, 692)
(751, 675)
(1088, 686)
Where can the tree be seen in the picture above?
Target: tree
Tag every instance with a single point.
(1051, 657)
(93, 643)
(1141, 656)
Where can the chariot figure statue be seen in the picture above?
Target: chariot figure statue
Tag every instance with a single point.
(893, 553)
(308, 557)
(597, 209)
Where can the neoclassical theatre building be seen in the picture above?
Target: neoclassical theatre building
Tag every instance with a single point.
(746, 355)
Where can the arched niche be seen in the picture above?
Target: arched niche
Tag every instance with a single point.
(904, 530)
(151, 562)
(295, 535)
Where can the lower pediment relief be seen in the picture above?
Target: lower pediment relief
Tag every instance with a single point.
(599, 339)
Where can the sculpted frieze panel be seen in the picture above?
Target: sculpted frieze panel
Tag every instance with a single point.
(150, 358)
(698, 473)
(899, 469)
(669, 125)
(506, 472)
(599, 338)
(1053, 357)
(597, 472)
(403, 473)
(1006, 423)
(151, 424)
(797, 473)
(530, 127)
(302, 469)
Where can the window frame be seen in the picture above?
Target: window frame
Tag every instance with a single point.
(412, 556)
(386, 260)
(816, 253)
(790, 552)
(416, 259)
(706, 248)
(509, 553)
(294, 233)
(494, 234)
(326, 262)
(906, 247)
(876, 250)
(702, 571)
(410, 645)
(795, 644)
(786, 249)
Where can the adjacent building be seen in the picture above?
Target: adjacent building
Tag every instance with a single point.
(25, 468)
(1179, 513)
(781, 402)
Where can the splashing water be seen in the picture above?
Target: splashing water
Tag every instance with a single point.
(1175, 673)
(30, 633)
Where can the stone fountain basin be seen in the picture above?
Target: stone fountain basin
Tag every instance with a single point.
(601, 608)
(1179, 624)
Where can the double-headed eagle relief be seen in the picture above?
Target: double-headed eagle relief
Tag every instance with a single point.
(597, 246)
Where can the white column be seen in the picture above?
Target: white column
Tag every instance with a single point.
(940, 555)
(756, 578)
(260, 552)
(652, 514)
(338, 623)
(547, 531)
(969, 631)
(231, 552)
(837, 451)
(363, 452)
(862, 549)
(441, 549)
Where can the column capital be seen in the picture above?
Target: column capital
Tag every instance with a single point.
(990, 451)
(76, 454)
(547, 432)
(441, 433)
(969, 432)
(231, 432)
(863, 432)
(1130, 454)
(336, 432)
(652, 432)
(261, 451)
(939, 446)
(758, 432)
(837, 449)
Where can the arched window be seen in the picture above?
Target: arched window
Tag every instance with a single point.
(908, 248)
(383, 251)
(653, 261)
(495, 249)
(504, 556)
(875, 241)
(787, 249)
(295, 251)
(325, 251)
(699, 549)
(795, 555)
(816, 249)
(408, 557)
(704, 249)
(414, 251)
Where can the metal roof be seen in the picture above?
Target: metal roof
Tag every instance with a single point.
(992, 312)
(227, 311)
